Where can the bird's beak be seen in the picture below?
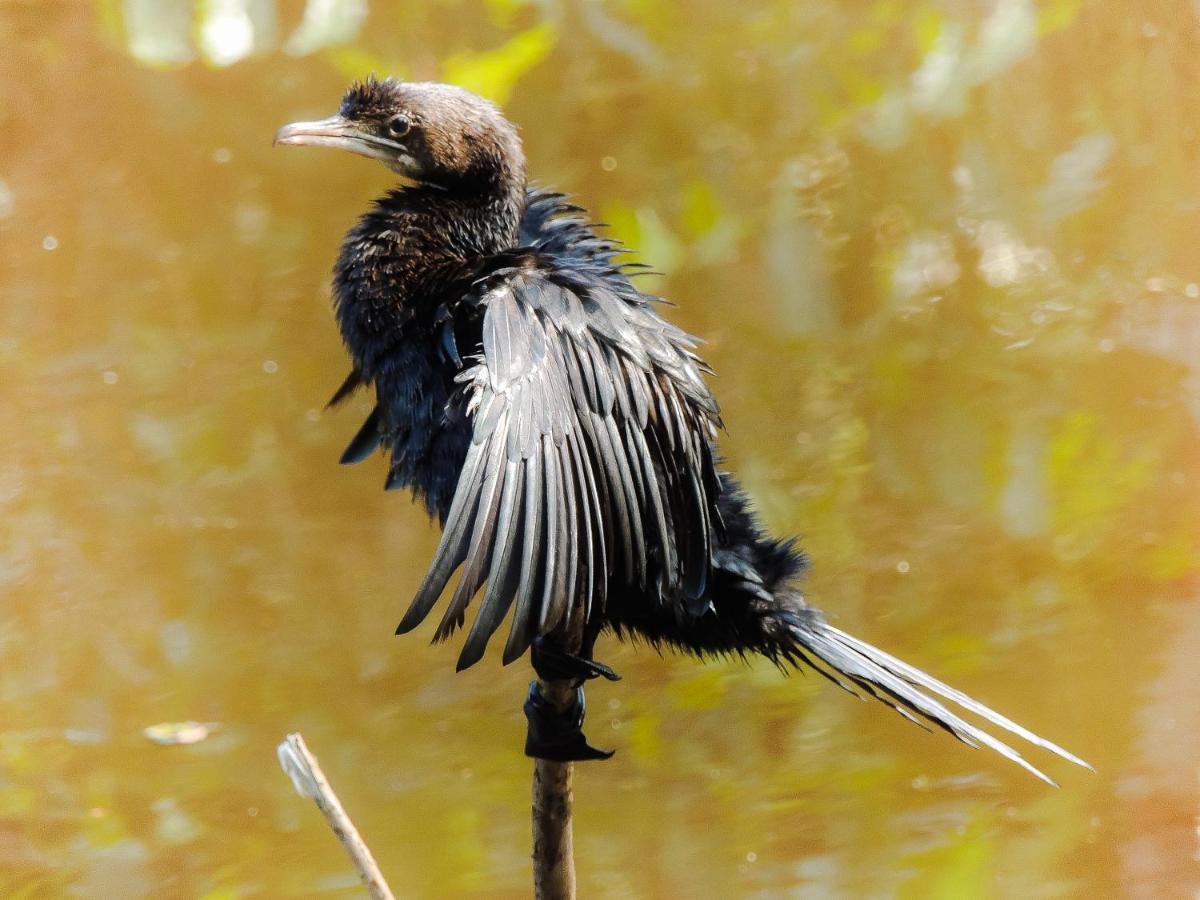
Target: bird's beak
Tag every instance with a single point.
(341, 133)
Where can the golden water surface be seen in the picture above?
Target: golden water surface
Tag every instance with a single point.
(945, 258)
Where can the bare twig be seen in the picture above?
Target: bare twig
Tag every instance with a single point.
(308, 779)
(553, 840)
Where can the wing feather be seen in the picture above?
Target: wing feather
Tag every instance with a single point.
(503, 575)
(556, 540)
(365, 442)
(480, 548)
(520, 634)
(456, 536)
(589, 466)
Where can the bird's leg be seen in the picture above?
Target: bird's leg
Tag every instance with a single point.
(556, 722)
(553, 663)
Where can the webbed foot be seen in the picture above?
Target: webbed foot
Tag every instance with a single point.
(558, 735)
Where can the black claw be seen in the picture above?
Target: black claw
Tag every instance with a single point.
(552, 663)
(555, 735)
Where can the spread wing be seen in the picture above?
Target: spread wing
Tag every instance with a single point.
(590, 462)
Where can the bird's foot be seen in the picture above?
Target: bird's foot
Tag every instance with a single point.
(558, 734)
(552, 663)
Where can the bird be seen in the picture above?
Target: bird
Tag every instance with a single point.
(562, 431)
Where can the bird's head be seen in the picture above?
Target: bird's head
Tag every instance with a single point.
(434, 134)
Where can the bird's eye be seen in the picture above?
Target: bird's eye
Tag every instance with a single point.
(398, 126)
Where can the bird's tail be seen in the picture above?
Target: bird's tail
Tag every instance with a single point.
(757, 604)
(802, 635)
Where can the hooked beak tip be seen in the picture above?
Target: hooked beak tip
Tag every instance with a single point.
(325, 131)
(289, 134)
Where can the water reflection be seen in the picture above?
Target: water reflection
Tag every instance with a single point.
(945, 261)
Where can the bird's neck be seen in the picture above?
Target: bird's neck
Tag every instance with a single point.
(411, 253)
(468, 223)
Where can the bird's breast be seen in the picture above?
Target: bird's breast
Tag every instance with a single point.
(426, 435)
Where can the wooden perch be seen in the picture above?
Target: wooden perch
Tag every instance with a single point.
(308, 779)
(553, 839)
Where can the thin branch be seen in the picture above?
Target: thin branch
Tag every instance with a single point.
(553, 801)
(308, 779)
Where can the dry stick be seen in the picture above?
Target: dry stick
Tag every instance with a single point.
(308, 779)
(553, 842)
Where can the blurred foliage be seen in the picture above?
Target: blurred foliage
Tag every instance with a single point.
(494, 73)
(944, 257)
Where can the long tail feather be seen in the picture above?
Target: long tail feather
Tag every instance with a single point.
(906, 688)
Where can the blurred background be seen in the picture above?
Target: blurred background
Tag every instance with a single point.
(944, 255)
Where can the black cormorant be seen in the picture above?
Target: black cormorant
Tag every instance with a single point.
(559, 428)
